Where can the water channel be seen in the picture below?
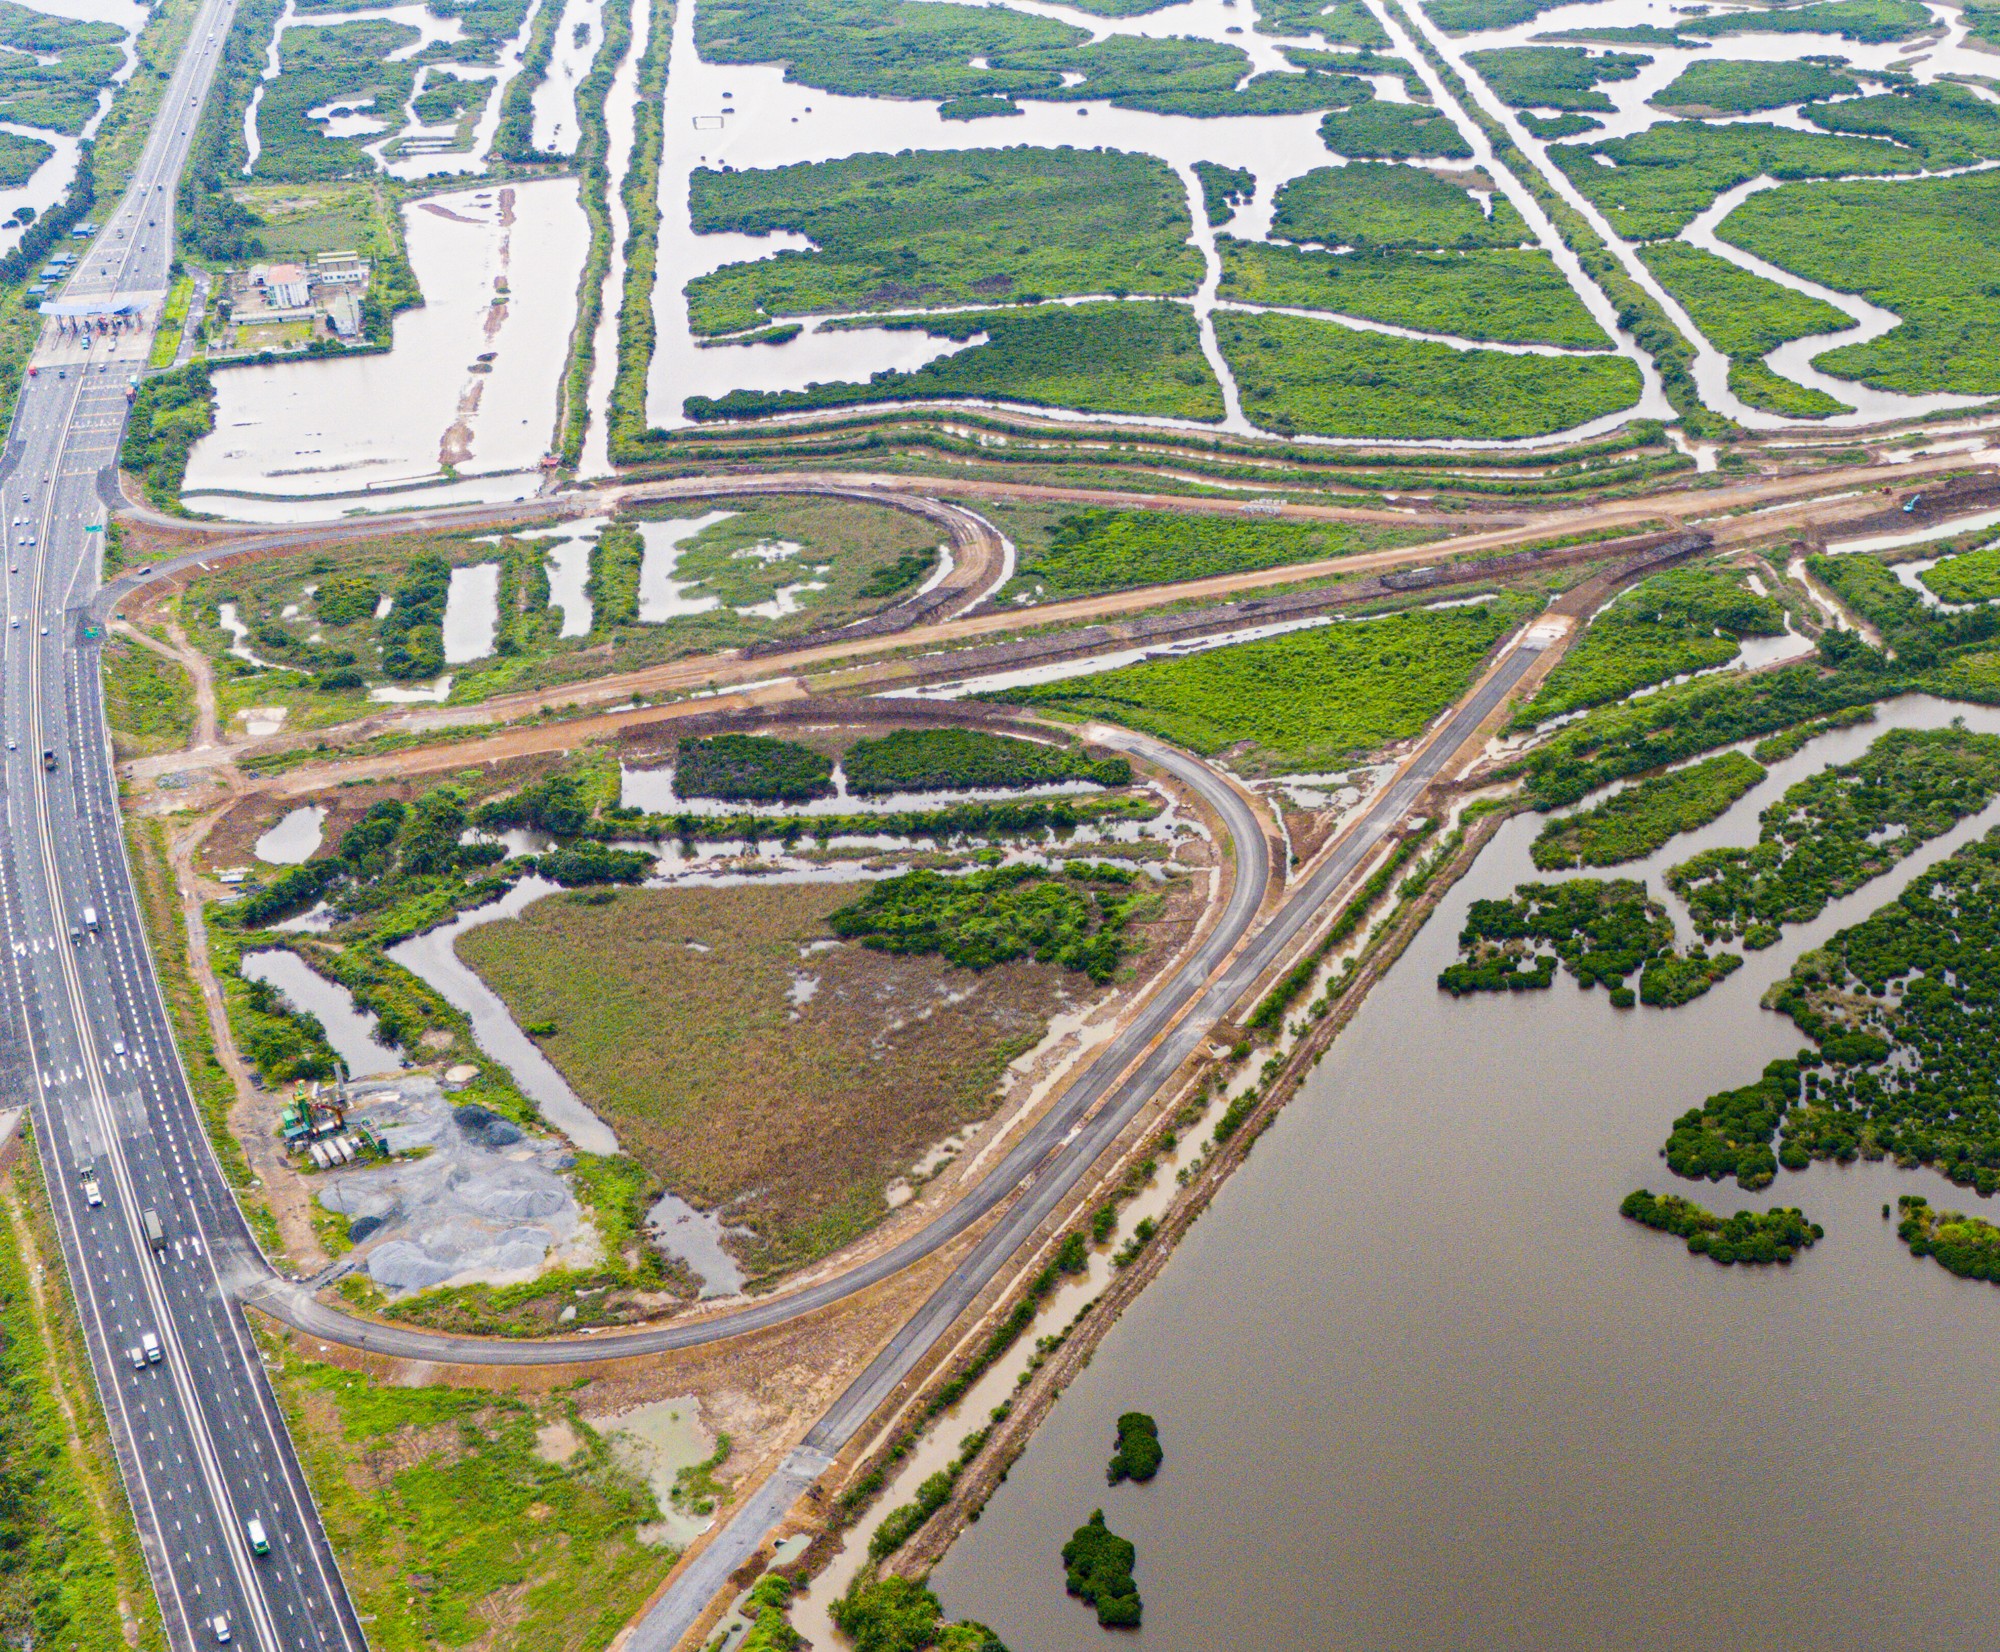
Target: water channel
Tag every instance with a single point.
(1420, 1387)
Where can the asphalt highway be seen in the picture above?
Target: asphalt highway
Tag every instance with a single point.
(199, 1439)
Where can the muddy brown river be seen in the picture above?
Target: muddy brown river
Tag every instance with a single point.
(1420, 1387)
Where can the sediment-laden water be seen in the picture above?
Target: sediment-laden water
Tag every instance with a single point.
(1420, 1387)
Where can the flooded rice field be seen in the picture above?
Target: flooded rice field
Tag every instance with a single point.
(468, 391)
(1421, 1387)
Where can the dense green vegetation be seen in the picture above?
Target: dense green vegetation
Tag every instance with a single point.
(1945, 124)
(1099, 549)
(1343, 23)
(1679, 723)
(1968, 1246)
(170, 413)
(1098, 1569)
(626, 413)
(1902, 1007)
(412, 631)
(752, 768)
(1741, 314)
(1686, 619)
(1633, 823)
(1793, 741)
(345, 599)
(53, 69)
(20, 156)
(1612, 34)
(513, 135)
(892, 1614)
(1599, 931)
(1751, 1237)
(1971, 576)
(1377, 206)
(1308, 699)
(1319, 377)
(956, 759)
(613, 582)
(943, 227)
(1224, 189)
(212, 223)
(1378, 131)
(1506, 296)
(1730, 1133)
(1138, 1456)
(1873, 22)
(1475, 16)
(1664, 177)
(1774, 393)
(1921, 249)
(1077, 920)
(1728, 86)
(346, 63)
(1552, 77)
(1142, 358)
(1836, 830)
(1550, 128)
(979, 59)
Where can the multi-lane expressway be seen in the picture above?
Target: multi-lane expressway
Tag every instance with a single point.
(85, 1040)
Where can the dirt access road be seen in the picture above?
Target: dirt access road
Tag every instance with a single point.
(1743, 514)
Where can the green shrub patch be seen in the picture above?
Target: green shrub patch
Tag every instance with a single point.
(1753, 1238)
(1098, 1563)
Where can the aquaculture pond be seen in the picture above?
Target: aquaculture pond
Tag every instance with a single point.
(467, 393)
(1443, 1395)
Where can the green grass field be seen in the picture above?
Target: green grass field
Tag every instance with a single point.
(148, 701)
(1089, 551)
(1503, 296)
(1924, 249)
(1318, 377)
(453, 1525)
(1142, 358)
(1309, 699)
(1668, 174)
(1391, 206)
(951, 228)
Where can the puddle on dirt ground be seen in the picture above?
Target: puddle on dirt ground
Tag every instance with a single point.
(656, 1442)
(350, 1031)
(293, 839)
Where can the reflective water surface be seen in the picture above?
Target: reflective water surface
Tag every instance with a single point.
(1420, 1387)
